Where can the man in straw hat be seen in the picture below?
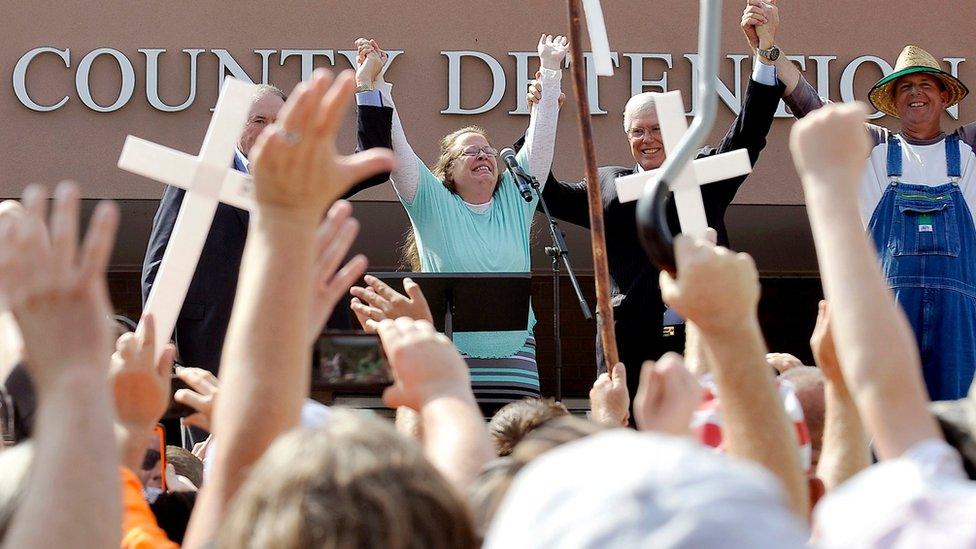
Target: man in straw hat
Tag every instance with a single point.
(917, 199)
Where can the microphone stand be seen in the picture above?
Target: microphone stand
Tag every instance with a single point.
(559, 252)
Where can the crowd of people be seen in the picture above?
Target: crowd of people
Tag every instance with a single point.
(724, 445)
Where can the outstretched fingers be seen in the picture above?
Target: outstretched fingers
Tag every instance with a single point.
(99, 241)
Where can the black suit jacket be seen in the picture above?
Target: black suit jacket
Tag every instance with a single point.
(202, 323)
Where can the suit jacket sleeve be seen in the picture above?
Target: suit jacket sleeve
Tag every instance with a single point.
(748, 132)
(162, 228)
(566, 201)
(374, 130)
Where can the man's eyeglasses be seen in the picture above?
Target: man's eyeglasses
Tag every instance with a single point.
(474, 150)
(639, 133)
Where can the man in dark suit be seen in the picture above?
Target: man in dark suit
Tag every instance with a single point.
(638, 308)
(202, 323)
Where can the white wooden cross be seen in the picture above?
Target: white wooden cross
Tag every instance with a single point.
(687, 186)
(599, 42)
(208, 179)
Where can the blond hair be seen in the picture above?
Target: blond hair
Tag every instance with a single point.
(352, 483)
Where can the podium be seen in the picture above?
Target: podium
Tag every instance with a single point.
(471, 302)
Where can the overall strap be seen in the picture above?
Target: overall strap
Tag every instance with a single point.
(953, 161)
(894, 158)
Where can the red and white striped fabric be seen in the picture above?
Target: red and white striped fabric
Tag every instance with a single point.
(707, 420)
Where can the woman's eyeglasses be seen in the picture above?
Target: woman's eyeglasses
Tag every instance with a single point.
(474, 150)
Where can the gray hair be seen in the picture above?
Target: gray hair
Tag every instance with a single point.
(638, 105)
(265, 89)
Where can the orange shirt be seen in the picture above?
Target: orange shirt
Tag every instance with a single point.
(139, 527)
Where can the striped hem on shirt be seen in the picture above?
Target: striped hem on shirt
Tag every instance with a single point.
(503, 380)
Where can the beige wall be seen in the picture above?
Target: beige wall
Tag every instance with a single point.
(76, 142)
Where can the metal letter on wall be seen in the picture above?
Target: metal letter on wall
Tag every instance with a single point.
(20, 78)
(847, 78)
(152, 80)
(125, 91)
(308, 59)
(637, 82)
(593, 81)
(454, 82)
(954, 71)
(732, 100)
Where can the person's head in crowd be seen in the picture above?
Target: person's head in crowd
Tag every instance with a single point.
(185, 464)
(648, 490)
(172, 511)
(644, 131)
(808, 385)
(516, 419)
(495, 479)
(265, 104)
(150, 473)
(352, 483)
(15, 467)
(468, 164)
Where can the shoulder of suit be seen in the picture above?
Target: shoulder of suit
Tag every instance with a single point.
(613, 171)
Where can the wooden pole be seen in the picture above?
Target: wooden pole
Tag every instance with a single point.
(593, 191)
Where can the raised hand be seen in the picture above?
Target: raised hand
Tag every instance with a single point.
(667, 397)
(752, 17)
(297, 169)
(609, 400)
(552, 51)
(767, 31)
(715, 288)
(140, 384)
(56, 291)
(378, 301)
(830, 148)
(425, 364)
(333, 239)
(822, 345)
(782, 362)
(370, 60)
(201, 395)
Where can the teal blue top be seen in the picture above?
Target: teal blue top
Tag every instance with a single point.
(452, 238)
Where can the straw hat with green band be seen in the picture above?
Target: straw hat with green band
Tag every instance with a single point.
(912, 60)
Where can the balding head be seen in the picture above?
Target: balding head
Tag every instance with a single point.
(808, 383)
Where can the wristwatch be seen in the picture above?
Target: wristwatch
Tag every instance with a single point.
(369, 87)
(772, 54)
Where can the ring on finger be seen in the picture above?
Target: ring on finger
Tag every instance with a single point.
(289, 137)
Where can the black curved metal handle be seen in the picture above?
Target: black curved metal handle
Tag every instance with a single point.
(655, 233)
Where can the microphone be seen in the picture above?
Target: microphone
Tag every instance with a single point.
(522, 179)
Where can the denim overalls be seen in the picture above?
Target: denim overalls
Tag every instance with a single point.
(924, 236)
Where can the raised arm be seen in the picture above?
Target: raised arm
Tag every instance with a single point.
(845, 451)
(874, 342)
(295, 184)
(407, 172)
(59, 297)
(719, 291)
(432, 379)
(540, 138)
